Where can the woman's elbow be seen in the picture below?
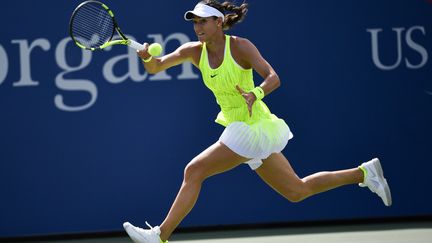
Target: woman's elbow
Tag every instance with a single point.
(277, 82)
(151, 71)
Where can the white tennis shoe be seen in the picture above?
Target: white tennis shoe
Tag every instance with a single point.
(139, 235)
(375, 181)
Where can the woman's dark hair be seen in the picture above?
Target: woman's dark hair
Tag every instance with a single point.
(233, 14)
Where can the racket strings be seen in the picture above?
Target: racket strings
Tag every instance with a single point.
(92, 26)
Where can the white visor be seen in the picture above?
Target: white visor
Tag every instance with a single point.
(203, 11)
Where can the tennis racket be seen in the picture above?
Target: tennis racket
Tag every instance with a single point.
(92, 27)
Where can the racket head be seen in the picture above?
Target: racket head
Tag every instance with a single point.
(92, 26)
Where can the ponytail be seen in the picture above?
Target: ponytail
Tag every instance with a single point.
(233, 14)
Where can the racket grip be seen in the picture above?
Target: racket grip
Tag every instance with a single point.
(135, 45)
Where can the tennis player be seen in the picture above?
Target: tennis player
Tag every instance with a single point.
(252, 135)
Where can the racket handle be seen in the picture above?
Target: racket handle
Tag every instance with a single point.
(135, 45)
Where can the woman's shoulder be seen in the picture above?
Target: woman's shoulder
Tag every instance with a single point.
(241, 49)
(240, 40)
(191, 46)
(241, 44)
(191, 50)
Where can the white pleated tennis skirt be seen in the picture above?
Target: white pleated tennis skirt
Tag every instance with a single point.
(258, 140)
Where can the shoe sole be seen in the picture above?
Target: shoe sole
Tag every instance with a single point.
(388, 199)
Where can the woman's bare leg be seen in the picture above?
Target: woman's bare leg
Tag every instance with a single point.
(216, 159)
(277, 172)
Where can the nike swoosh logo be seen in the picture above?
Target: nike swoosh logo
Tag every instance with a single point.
(212, 76)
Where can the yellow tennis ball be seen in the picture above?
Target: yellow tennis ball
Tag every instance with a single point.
(155, 49)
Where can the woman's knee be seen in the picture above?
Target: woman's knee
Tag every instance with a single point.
(298, 194)
(194, 172)
(295, 197)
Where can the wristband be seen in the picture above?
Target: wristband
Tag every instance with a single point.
(258, 92)
(148, 59)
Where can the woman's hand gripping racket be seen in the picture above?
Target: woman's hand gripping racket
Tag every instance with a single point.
(92, 27)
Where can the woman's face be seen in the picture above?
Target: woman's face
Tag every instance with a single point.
(205, 28)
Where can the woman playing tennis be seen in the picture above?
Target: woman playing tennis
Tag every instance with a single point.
(252, 134)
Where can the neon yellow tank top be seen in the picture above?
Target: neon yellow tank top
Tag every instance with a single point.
(222, 82)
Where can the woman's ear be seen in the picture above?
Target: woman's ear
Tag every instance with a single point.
(219, 21)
